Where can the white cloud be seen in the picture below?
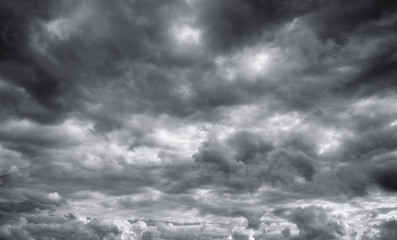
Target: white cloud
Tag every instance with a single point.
(185, 34)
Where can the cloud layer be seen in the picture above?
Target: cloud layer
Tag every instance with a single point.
(253, 119)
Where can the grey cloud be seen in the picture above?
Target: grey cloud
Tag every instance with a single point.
(338, 20)
(114, 183)
(384, 174)
(120, 69)
(242, 163)
(162, 231)
(300, 163)
(248, 146)
(58, 82)
(388, 230)
(183, 202)
(66, 93)
(240, 235)
(27, 206)
(378, 70)
(274, 165)
(229, 25)
(95, 229)
(352, 180)
(63, 87)
(315, 223)
(369, 141)
(12, 207)
(252, 216)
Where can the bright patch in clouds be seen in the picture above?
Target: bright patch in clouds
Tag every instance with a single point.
(259, 62)
(286, 122)
(185, 34)
(59, 28)
(330, 141)
(248, 64)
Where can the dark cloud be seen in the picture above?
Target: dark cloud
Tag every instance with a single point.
(388, 230)
(23, 207)
(385, 175)
(216, 109)
(31, 203)
(229, 25)
(15, 19)
(339, 20)
(350, 180)
(377, 73)
(50, 67)
(316, 223)
(249, 146)
(244, 165)
(54, 86)
(19, 66)
(298, 162)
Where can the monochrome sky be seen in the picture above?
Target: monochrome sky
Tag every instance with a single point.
(264, 119)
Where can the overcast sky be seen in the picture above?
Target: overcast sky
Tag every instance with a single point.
(244, 119)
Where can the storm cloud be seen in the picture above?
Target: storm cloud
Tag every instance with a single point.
(238, 119)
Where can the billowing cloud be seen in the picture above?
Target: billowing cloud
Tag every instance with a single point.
(202, 119)
(314, 223)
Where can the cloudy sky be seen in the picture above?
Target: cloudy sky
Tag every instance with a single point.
(198, 119)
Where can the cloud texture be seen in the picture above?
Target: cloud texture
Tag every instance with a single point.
(200, 119)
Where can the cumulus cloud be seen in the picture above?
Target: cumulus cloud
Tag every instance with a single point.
(315, 223)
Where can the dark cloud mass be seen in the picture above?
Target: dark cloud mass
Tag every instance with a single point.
(198, 119)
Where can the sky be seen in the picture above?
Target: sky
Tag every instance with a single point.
(198, 119)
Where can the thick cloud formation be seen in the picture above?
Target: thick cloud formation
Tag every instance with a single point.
(53, 228)
(384, 175)
(192, 111)
(314, 223)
